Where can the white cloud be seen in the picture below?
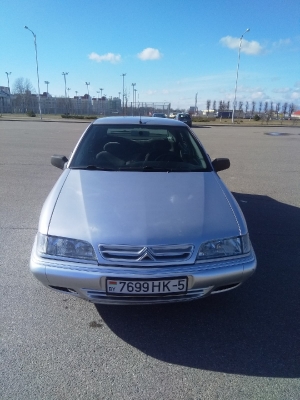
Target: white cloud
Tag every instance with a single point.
(258, 95)
(110, 57)
(281, 43)
(249, 89)
(149, 54)
(295, 96)
(151, 92)
(251, 48)
(281, 90)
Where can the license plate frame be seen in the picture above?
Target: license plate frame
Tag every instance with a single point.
(121, 286)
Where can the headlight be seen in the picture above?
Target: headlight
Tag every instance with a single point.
(65, 247)
(228, 247)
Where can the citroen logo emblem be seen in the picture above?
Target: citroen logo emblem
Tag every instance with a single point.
(146, 255)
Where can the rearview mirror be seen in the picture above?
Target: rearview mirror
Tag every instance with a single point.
(59, 161)
(220, 164)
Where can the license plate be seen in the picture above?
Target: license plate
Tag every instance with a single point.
(146, 287)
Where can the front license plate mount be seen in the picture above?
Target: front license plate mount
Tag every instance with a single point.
(146, 287)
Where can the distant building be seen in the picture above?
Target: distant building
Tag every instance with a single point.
(296, 114)
(208, 113)
(193, 110)
(78, 105)
(223, 114)
(5, 100)
(4, 91)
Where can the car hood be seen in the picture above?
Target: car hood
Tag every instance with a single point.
(141, 208)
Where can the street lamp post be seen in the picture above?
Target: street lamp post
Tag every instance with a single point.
(135, 90)
(76, 91)
(64, 74)
(37, 70)
(88, 104)
(66, 104)
(105, 108)
(101, 104)
(7, 74)
(69, 101)
(47, 83)
(98, 101)
(47, 101)
(87, 86)
(123, 75)
(133, 85)
(237, 75)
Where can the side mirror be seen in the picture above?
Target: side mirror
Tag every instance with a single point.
(219, 164)
(59, 161)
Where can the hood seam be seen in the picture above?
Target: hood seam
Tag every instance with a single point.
(236, 220)
(54, 206)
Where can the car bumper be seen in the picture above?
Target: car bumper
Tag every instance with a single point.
(88, 281)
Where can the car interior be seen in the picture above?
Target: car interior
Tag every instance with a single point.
(132, 148)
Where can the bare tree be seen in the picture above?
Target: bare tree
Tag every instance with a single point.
(291, 109)
(208, 103)
(284, 109)
(277, 109)
(271, 111)
(246, 107)
(228, 105)
(22, 86)
(253, 108)
(240, 108)
(22, 89)
(260, 107)
(266, 112)
(214, 105)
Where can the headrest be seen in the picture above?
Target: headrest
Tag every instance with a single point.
(114, 148)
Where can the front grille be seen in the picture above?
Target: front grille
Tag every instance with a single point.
(145, 254)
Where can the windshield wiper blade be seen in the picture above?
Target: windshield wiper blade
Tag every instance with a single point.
(145, 168)
(94, 167)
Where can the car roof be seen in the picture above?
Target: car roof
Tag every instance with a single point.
(137, 121)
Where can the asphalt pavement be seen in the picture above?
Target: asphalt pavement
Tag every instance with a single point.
(242, 344)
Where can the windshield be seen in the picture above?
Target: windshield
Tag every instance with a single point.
(139, 148)
(184, 116)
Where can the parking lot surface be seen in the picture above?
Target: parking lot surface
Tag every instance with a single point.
(242, 344)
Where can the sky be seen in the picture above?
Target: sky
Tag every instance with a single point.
(173, 51)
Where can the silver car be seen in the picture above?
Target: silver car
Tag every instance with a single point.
(139, 215)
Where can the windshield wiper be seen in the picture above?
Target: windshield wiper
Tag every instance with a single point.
(145, 168)
(94, 167)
